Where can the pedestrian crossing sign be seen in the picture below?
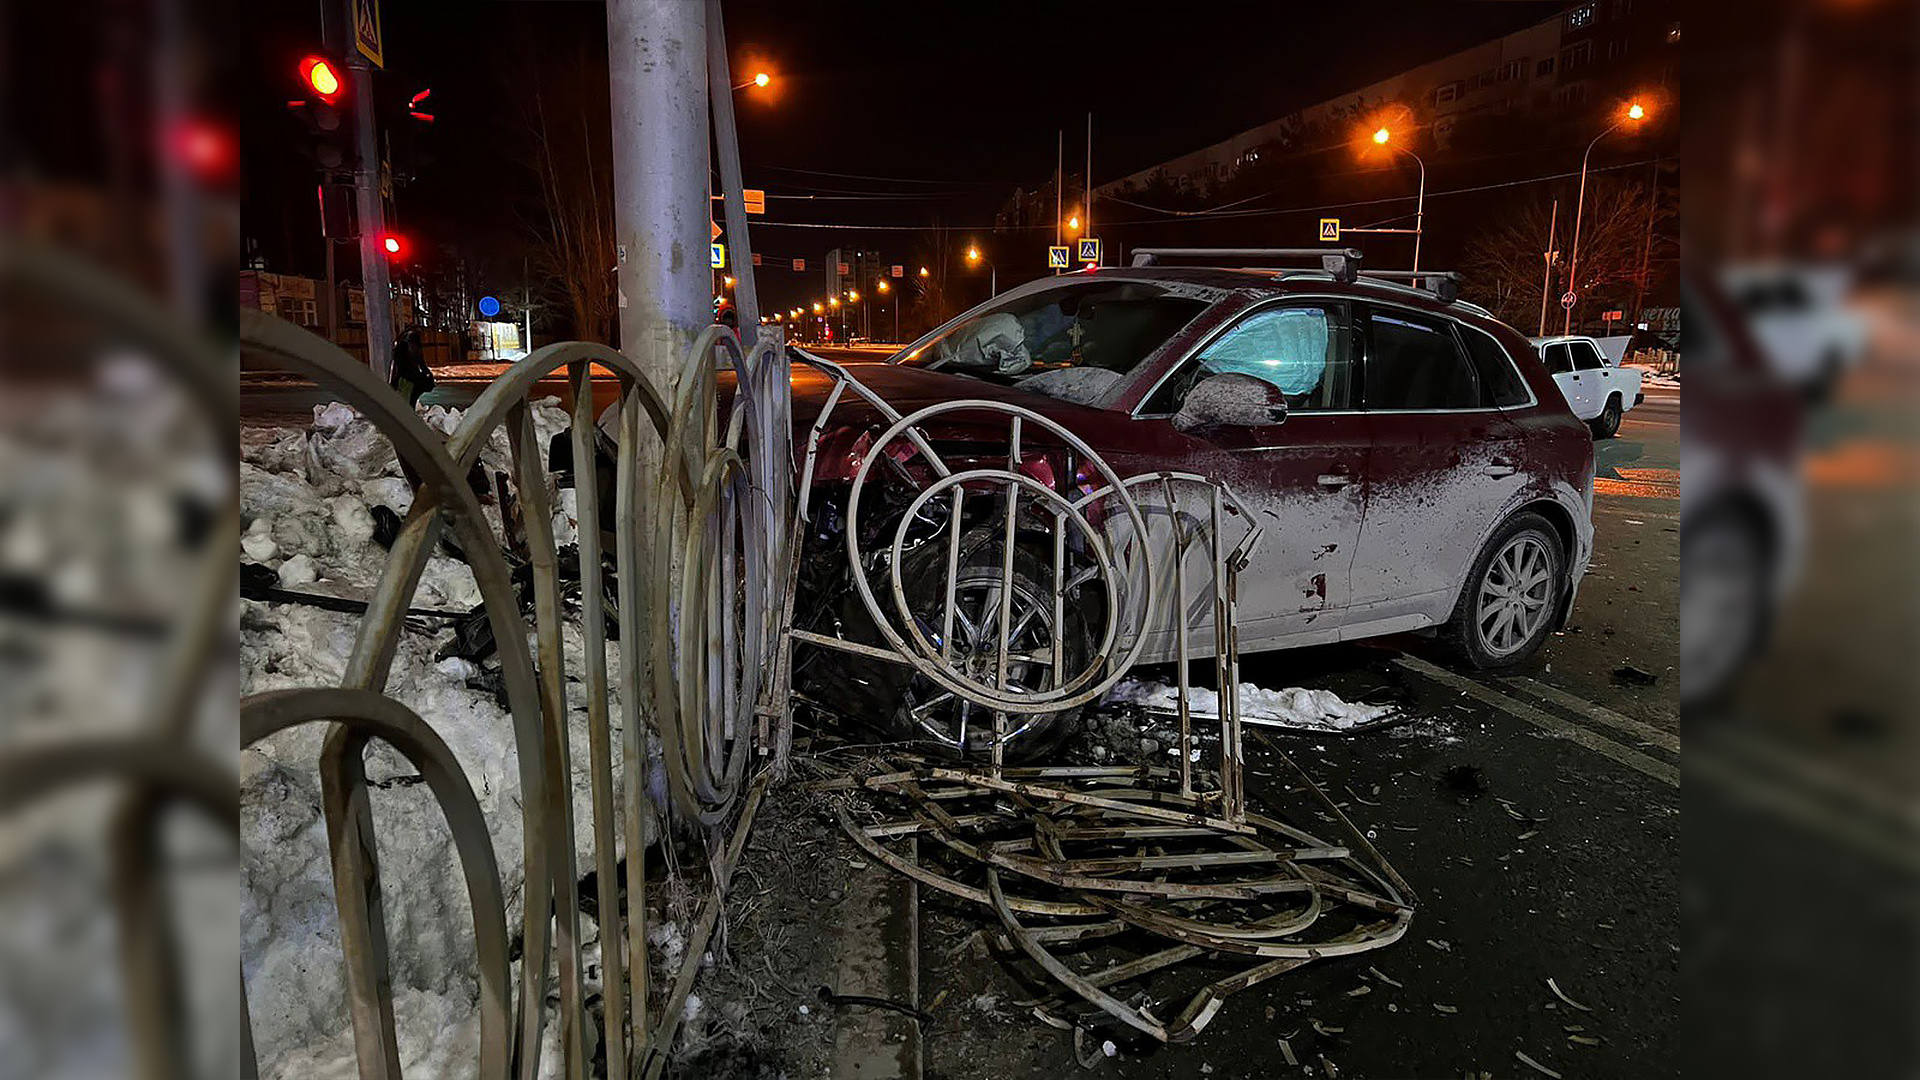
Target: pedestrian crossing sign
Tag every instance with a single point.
(1057, 257)
(717, 256)
(1330, 230)
(1090, 249)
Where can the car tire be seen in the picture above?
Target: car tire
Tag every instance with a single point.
(1726, 566)
(1505, 612)
(1607, 424)
(923, 578)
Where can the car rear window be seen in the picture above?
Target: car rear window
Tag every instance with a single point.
(1413, 362)
(1499, 380)
(1110, 326)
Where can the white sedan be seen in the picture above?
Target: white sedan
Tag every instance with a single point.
(1598, 391)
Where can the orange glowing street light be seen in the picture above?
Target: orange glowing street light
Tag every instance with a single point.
(883, 286)
(1632, 114)
(761, 80)
(993, 273)
(1383, 136)
(816, 307)
(924, 271)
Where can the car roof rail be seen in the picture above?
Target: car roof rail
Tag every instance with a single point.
(1342, 263)
(1443, 284)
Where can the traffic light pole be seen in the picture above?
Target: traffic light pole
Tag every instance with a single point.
(372, 223)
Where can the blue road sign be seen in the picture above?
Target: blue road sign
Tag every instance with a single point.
(1090, 249)
(717, 256)
(489, 306)
(1057, 257)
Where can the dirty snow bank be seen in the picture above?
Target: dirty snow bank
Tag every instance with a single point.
(307, 498)
(1294, 707)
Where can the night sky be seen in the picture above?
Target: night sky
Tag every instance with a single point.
(916, 110)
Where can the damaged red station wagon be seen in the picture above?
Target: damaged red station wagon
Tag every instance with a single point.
(1411, 463)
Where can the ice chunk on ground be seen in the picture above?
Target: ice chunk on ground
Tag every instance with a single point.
(1294, 707)
(298, 571)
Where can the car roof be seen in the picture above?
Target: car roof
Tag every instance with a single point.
(1230, 278)
(1555, 339)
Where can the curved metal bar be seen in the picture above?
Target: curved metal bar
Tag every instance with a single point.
(996, 700)
(32, 772)
(537, 521)
(1109, 1004)
(1049, 700)
(1057, 908)
(513, 386)
(593, 619)
(368, 714)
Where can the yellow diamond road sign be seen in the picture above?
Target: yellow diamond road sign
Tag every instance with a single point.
(1057, 257)
(1330, 229)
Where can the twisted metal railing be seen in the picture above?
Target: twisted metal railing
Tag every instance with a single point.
(698, 611)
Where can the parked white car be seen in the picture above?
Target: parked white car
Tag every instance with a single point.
(1599, 391)
(1798, 315)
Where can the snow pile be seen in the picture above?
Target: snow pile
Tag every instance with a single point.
(1294, 707)
(307, 498)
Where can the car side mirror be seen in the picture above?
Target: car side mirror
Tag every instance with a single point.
(1230, 400)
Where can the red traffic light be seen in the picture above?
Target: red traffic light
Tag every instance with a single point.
(395, 246)
(322, 77)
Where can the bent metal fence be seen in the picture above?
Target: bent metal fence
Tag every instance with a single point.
(699, 602)
(703, 552)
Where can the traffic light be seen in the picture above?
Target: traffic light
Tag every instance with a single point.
(395, 245)
(320, 106)
(322, 78)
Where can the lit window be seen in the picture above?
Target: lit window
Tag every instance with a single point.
(1580, 18)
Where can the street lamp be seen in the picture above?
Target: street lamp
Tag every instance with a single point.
(1073, 224)
(1633, 113)
(993, 274)
(924, 271)
(1384, 137)
(883, 289)
(760, 80)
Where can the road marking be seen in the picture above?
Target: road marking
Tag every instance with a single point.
(1813, 773)
(1647, 732)
(1736, 782)
(1566, 729)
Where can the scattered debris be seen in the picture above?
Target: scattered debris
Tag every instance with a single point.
(1325, 1030)
(1443, 946)
(1583, 1040)
(1534, 1065)
(1561, 994)
(1286, 1052)
(1448, 1009)
(1383, 978)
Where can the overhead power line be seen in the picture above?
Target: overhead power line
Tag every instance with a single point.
(1218, 213)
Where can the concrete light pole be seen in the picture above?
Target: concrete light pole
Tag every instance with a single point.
(657, 66)
(1633, 112)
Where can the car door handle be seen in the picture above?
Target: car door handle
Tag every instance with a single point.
(1499, 468)
(1338, 478)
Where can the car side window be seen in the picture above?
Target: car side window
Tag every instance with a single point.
(1502, 380)
(1586, 357)
(1558, 358)
(1414, 362)
(1303, 352)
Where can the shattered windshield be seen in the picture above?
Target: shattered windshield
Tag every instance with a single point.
(1074, 341)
